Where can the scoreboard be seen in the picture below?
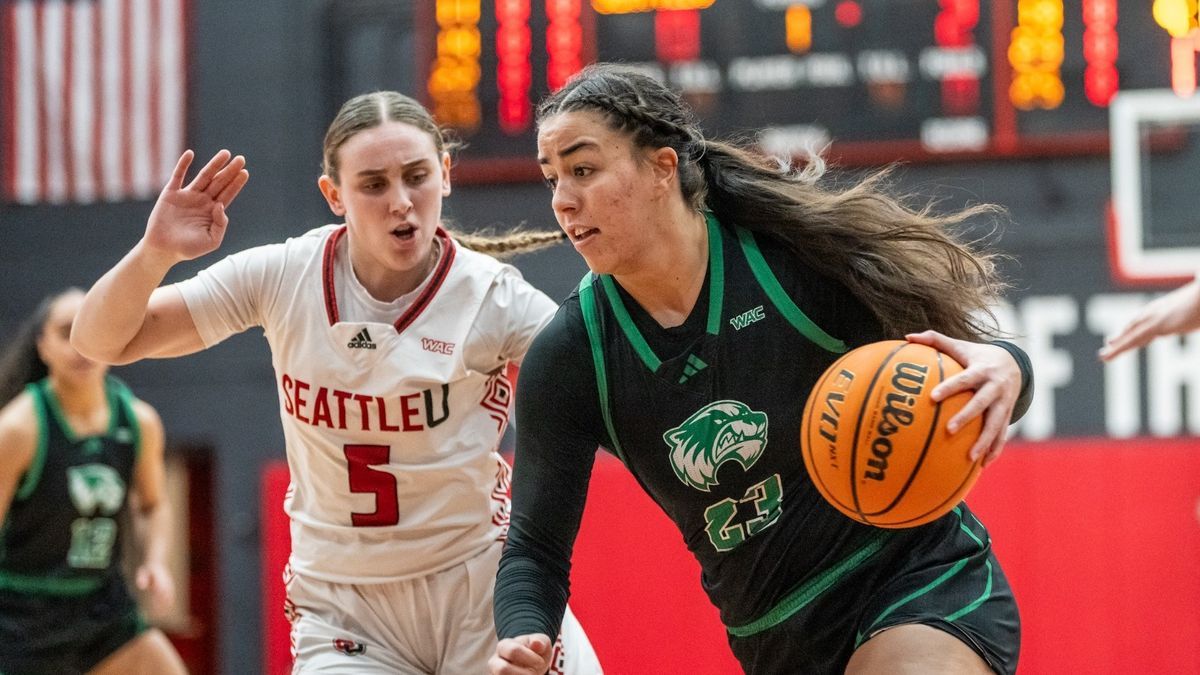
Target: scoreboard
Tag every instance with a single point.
(874, 81)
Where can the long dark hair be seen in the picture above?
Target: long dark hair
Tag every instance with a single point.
(20, 363)
(905, 264)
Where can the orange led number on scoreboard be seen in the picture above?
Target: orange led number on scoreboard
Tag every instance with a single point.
(1181, 20)
(454, 80)
(630, 6)
(1035, 52)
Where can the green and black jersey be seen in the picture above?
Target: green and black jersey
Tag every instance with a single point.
(64, 605)
(706, 416)
(62, 535)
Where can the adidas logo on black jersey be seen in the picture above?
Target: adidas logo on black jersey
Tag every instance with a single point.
(361, 341)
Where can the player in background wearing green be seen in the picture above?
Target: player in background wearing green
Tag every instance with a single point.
(78, 454)
(722, 285)
(1171, 314)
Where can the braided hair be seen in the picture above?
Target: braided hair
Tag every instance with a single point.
(907, 264)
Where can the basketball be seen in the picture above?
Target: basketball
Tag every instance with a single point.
(876, 444)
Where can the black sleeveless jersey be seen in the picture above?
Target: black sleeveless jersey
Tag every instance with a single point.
(63, 532)
(706, 416)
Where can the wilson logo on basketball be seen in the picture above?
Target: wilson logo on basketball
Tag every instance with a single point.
(876, 444)
(437, 346)
(909, 380)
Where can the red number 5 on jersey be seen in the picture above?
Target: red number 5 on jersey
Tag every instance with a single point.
(364, 479)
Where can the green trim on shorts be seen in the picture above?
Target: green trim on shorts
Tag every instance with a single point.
(807, 592)
(955, 569)
(987, 592)
(21, 583)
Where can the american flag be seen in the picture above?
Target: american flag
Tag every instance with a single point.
(92, 98)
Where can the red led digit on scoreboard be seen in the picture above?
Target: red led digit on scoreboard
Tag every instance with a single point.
(954, 28)
(514, 73)
(564, 42)
(677, 35)
(1100, 79)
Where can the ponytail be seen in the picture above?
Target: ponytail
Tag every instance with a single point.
(20, 363)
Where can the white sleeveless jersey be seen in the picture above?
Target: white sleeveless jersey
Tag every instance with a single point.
(391, 429)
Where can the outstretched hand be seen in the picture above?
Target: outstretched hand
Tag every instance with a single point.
(522, 655)
(1175, 312)
(189, 221)
(994, 376)
(154, 580)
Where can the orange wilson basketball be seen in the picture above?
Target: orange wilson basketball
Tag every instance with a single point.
(876, 444)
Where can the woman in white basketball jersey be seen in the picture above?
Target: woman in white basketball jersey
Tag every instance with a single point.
(390, 342)
(1175, 313)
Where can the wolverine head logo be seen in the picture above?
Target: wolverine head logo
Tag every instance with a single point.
(96, 489)
(717, 433)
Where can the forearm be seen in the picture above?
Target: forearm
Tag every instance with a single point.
(155, 532)
(534, 579)
(531, 596)
(114, 310)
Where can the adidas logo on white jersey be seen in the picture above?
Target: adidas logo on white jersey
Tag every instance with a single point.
(361, 341)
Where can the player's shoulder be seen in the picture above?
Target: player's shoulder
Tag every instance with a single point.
(21, 410)
(19, 428)
(565, 334)
(145, 414)
(474, 263)
(311, 239)
(300, 246)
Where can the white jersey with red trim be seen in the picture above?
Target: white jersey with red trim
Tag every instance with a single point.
(391, 424)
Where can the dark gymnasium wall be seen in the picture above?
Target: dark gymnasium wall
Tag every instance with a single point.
(256, 89)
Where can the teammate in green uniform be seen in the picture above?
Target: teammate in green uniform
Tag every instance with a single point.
(78, 452)
(722, 285)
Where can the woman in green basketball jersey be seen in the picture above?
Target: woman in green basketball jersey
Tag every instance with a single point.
(79, 452)
(722, 285)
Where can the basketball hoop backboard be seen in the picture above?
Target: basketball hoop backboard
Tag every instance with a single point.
(1154, 228)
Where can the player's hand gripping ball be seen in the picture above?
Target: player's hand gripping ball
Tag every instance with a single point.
(876, 444)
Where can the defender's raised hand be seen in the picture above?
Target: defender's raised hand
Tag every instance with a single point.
(189, 221)
(1170, 314)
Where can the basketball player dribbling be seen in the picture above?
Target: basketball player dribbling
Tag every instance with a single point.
(390, 342)
(722, 285)
(81, 472)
